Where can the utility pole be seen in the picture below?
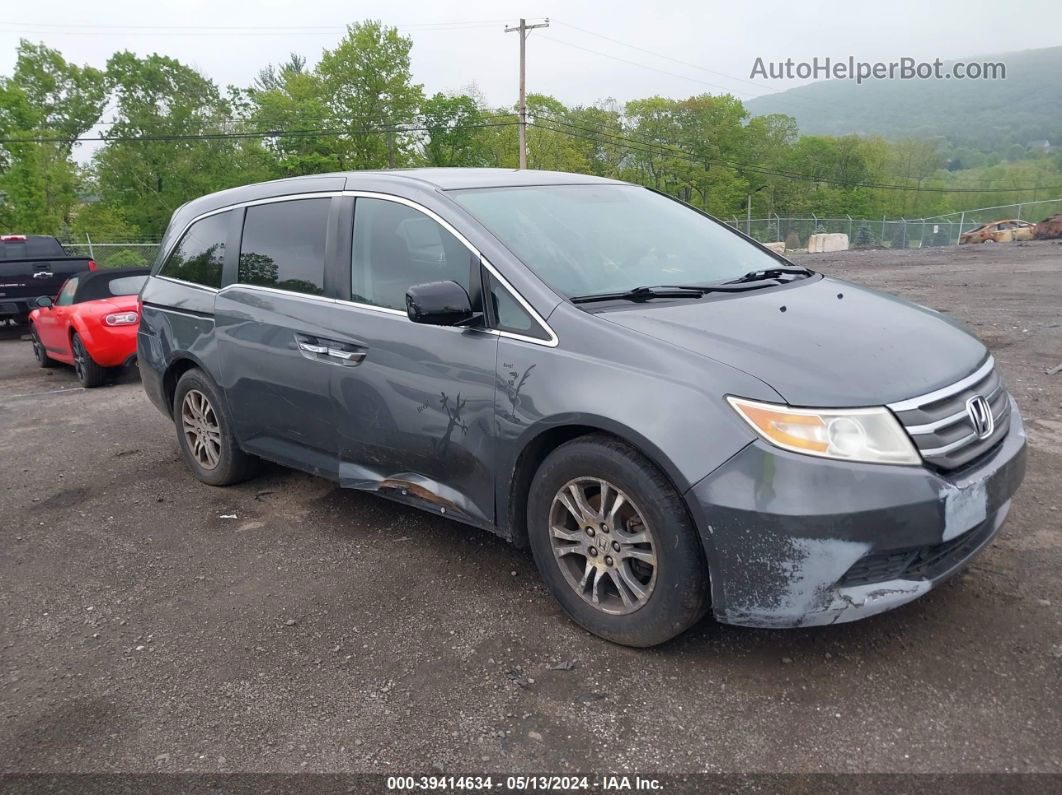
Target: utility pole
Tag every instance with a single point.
(523, 29)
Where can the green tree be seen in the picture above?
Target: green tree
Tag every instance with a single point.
(102, 222)
(292, 98)
(45, 97)
(453, 137)
(159, 97)
(368, 85)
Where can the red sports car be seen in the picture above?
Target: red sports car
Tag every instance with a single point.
(91, 324)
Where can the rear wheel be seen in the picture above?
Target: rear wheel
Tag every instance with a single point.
(204, 433)
(39, 351)
(88, 372)
(614, 543)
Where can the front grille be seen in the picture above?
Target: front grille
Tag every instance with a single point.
(941, 426)
(917, 563)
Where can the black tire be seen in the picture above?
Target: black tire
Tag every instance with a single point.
(89, 373)
(232, 465)
(677, 593)
(39, 352)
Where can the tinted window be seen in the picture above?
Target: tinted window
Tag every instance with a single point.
(126, 285)
(200, 254)
(66, 295)
(510, 316)
(284, 245)
(396, 247)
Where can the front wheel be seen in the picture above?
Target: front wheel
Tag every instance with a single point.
(614, 543)
(204, 433)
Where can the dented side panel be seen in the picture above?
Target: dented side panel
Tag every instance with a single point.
(417, 415)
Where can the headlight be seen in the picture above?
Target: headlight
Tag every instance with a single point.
(873, 435)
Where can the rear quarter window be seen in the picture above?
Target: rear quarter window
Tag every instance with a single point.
(199, 256)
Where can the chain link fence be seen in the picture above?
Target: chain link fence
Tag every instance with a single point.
(113, 255)
(940, 230)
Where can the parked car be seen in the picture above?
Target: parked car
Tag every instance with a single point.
(1049, 229)
(31, 266)
(91, 324)
(674, 418)
(999, 232)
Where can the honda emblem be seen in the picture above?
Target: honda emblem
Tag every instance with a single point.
(980, 414)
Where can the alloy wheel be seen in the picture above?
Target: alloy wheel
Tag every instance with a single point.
(79, 358)
(603, 545)
(38, 348)
(201, 431)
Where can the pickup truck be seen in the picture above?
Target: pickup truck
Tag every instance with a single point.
(32, 266)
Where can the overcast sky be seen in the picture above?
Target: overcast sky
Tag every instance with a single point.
(718, 41)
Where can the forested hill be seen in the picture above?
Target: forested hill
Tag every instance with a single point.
(985, 115)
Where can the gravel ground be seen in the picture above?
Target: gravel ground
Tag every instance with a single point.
(329, 630)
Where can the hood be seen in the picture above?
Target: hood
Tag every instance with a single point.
(819, 342)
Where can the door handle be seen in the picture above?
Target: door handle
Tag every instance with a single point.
(333, 351)
(350, 358)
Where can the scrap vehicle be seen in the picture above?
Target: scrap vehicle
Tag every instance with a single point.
(1005, 231)
(1049, 229)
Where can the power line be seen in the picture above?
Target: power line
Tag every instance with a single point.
(661, 55)
(772, 89)
(692, 157)
(670, 148)
(220, 30)
(262, 125)
(274, 133)
(636, 63)
(621, 141)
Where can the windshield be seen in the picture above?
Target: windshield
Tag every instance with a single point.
(588, 239)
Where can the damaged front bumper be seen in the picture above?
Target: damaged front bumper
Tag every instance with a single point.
(796, 541)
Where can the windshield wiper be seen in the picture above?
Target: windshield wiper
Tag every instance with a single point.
(645, 293)
(771, 273)
(642, 293)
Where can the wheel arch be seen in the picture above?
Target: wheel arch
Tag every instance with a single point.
(178, 366)
(536, 443)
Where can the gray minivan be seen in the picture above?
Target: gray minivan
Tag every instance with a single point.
(672, 417)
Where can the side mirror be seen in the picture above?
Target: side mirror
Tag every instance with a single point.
(44, 302)
(439, 304)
